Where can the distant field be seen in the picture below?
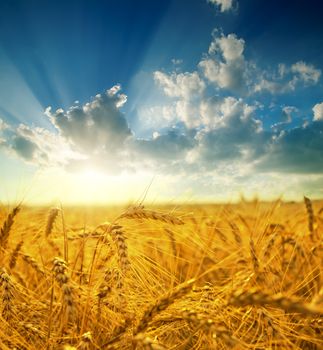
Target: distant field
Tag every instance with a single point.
(244, 276)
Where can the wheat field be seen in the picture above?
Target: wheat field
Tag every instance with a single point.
(235, 276)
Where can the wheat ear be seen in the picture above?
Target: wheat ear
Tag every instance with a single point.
(257, 297)
(6, 227)
(120, 241)
(52, 215)
(140, 213)
(310, 216)
(162, 304)
(61, 277)
(7, 294)
(14, 255)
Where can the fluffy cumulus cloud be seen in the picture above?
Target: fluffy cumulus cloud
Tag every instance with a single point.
(287, 78)
(225, 5)
(186, 89)
(95, 130)
(96, 127)
(226, 66)
(318, 111)
(184, 85)
(306, 72)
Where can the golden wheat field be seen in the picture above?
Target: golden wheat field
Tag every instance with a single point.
(243, 276)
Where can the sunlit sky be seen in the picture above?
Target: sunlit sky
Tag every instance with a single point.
(199, 100)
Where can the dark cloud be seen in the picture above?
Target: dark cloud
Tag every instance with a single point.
(299, 150)
(168, 147)
(236, 135)
(96, 127)
(24, 148)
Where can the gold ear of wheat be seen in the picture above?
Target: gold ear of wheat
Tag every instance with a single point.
(254, 258)
(138, 212)
(208, 325)
(52, 215)
(289, 304)
(33, 263)
(236, 233)
(162, 304)
(7, 286)
(310, 216)
(110, 280)
(120, 241)
(14, 255)
(6, 227)
(61, 277)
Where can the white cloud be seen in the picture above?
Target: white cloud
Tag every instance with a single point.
(287, 79)
(286, 118)
(226, 66)
(3, 125)
(225, 75)
(177, 61)
(187, 89)
(274, 87)
(225, 5)
(229, 46)
(318, 111)
(306, 72)
(223, 112)
(182, 85)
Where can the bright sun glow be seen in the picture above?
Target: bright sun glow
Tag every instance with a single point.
(91, 186)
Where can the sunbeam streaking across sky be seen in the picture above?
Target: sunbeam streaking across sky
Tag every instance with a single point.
(210, 99)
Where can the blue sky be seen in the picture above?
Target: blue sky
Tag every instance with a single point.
(211, 98)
